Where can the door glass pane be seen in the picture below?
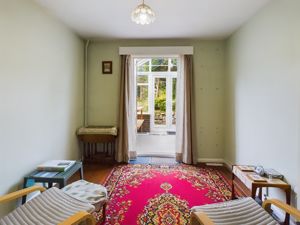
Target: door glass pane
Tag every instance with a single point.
(160, 101)
(174, 82)
(173, 65)
(142, 79)
(159, 61)
(142, 98)
(159, 65)
(160, 68)
(143, 65)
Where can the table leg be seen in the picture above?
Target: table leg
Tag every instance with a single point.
(86, 148)
(104, 211)
(106, 149)
(253, 192)
(88, 151)
(232, 188)
(288, 201)
(113, 149)
(63, 183)
(81, 173)
(25, 196)
(109, 148)
(82, 151)
(260, 193)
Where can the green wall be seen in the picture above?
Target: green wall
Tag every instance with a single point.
(41, 92)
(103, 94)
(263, 83)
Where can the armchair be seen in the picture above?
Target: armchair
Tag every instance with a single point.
(53, 206)
(238, 212)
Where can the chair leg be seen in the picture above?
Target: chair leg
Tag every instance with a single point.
(104, 212)
(102, 221)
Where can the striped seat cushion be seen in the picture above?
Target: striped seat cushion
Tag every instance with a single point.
(49, 208)
(243, 211)
(86, 192)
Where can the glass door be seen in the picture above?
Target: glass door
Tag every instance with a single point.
(156, 80)
(164, 103)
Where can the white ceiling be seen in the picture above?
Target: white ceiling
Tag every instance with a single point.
(207, 19)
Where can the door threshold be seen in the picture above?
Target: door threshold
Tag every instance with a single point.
(159, 155)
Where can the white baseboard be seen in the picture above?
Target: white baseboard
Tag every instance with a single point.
(210, 160)
(228, 164)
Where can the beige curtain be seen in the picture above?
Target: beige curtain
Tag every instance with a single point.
(122, 154)
(184, 150)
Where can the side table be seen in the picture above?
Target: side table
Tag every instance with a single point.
(241, 180)
(60, 178)
(99, 143)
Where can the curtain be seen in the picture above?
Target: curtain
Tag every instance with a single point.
(184, 150)
(127, 114)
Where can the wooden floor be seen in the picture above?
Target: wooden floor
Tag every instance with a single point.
(97, 173)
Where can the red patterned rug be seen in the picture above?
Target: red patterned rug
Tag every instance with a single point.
(162, 195)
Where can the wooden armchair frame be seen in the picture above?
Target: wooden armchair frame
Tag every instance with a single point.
(285, 207)
(73, 220)
(200, 218)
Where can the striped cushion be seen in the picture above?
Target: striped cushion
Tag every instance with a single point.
(49, 208)
(243, 211)
(86, 192)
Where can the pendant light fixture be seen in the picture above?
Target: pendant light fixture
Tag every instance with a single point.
(143, 14)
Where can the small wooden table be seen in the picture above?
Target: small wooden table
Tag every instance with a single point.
(60, 178)
(98, 141)
(248, 187)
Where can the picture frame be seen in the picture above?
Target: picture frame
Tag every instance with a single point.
(106, 67)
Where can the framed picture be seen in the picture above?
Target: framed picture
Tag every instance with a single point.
(106, 67)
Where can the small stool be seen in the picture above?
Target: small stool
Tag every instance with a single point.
(94, 194)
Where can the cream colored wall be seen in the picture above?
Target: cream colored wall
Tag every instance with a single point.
(103, 96)
(41, 94)
(263, 114)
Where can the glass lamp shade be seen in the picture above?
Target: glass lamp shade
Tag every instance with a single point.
(143, 14)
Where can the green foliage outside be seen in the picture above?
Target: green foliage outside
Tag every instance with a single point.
(142, 97)
(160, 103)
(157, 65)
(173, 105)
(160, 94)
(143, 103)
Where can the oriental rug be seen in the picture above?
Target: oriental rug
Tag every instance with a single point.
(161, 195)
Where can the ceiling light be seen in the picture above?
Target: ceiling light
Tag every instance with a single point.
(143, 14)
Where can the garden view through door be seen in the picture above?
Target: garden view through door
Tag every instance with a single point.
(156, 80)
(164, 103)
